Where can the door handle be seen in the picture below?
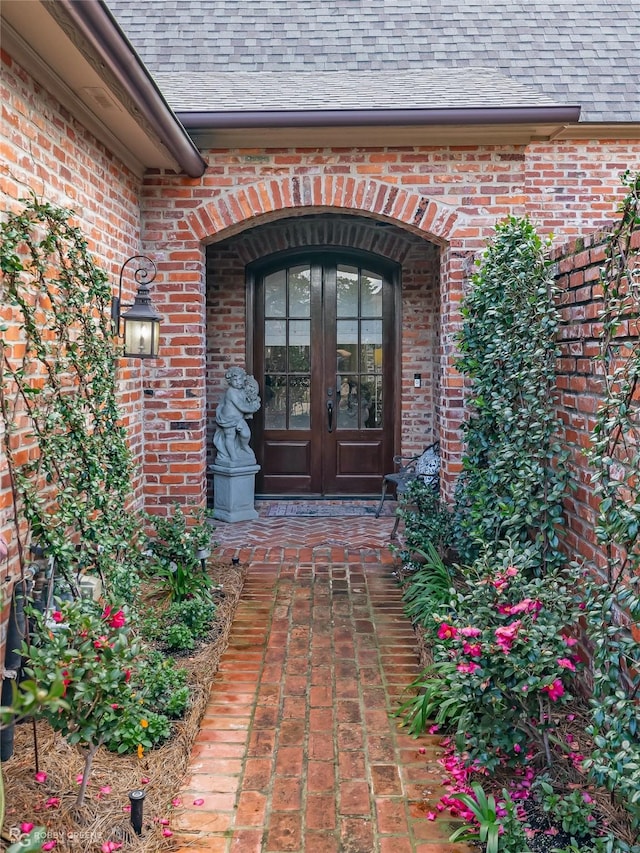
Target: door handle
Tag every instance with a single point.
(330, 415)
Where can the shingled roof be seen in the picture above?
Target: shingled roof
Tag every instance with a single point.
(585, 53)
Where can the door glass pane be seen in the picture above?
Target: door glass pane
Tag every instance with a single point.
(347, 291)
(347, 352)
(371, 294)
(275, 350)
(299, 402)
(300, 291)
(374, 396)
(275, 401)
(357, 403)
(299, 346)
(371, 345)
(275, 294)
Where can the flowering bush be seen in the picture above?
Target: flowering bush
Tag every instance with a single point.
(94, 650)
(503, 653)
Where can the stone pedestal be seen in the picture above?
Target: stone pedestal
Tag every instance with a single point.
(234, 492)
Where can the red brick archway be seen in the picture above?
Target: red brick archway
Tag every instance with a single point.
(237, 208)
(175, 401)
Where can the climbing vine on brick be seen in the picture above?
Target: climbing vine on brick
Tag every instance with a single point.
(65, 444)
(614, 597)
(513, 478)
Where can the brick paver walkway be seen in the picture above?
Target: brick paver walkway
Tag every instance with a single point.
(297, 749)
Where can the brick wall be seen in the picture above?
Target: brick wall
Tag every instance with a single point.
(580, 381)
(449, 197)
(45, 151)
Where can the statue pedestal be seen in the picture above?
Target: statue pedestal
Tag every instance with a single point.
(234, 492)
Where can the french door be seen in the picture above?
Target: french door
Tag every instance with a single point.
(324, 357)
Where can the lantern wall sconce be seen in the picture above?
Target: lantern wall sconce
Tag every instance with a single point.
(141, 321)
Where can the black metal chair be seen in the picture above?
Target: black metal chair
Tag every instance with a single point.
(424, 466)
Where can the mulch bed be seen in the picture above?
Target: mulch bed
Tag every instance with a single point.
(159, 773)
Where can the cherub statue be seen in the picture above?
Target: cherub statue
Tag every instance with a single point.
(238, 404)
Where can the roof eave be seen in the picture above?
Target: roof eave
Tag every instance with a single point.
(96, 24)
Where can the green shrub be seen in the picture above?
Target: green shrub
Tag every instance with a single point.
(427, 521)
(514, 477)
(138, 727)
(178, 637)
(162, 685)
(196, 613)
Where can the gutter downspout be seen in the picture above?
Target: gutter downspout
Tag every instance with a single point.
(382, 117)
(97, 25)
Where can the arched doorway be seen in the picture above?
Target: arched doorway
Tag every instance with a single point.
(325, 354)
(410, 268)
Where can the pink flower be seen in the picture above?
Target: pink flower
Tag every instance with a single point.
(26, 827)
(504, 609)
(431, 815)
(164, 821)
(100, 642)
(565, 663)
(474, 650)
(433, 729)
(527, 605)
(57, 616)
(110, 846)
(176, 801)
(115, 706)
(470, 632)
(468, 667)
(52, 803)
(511, 572)
(106, 789)
(517, 747)
(118, 620)
(198, 802)
(555, 690)
(447, 632)
(50, 845)
(506, 634)
(167, 833)
(107, 612)
(40, 777)
(144, 780)
(79, 779)
(569, 641)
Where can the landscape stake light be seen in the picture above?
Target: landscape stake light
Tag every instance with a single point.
(136, 798)
(141, 321)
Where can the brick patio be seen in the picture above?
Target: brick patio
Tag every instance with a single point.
(297, 749)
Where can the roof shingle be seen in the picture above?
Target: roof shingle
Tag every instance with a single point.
(588, 52)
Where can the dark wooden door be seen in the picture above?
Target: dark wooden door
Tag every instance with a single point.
(324, 356)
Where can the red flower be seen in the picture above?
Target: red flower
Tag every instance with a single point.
(57, 616)
(447, 632)
(127, 675)
(555, 690)
(117, 620)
